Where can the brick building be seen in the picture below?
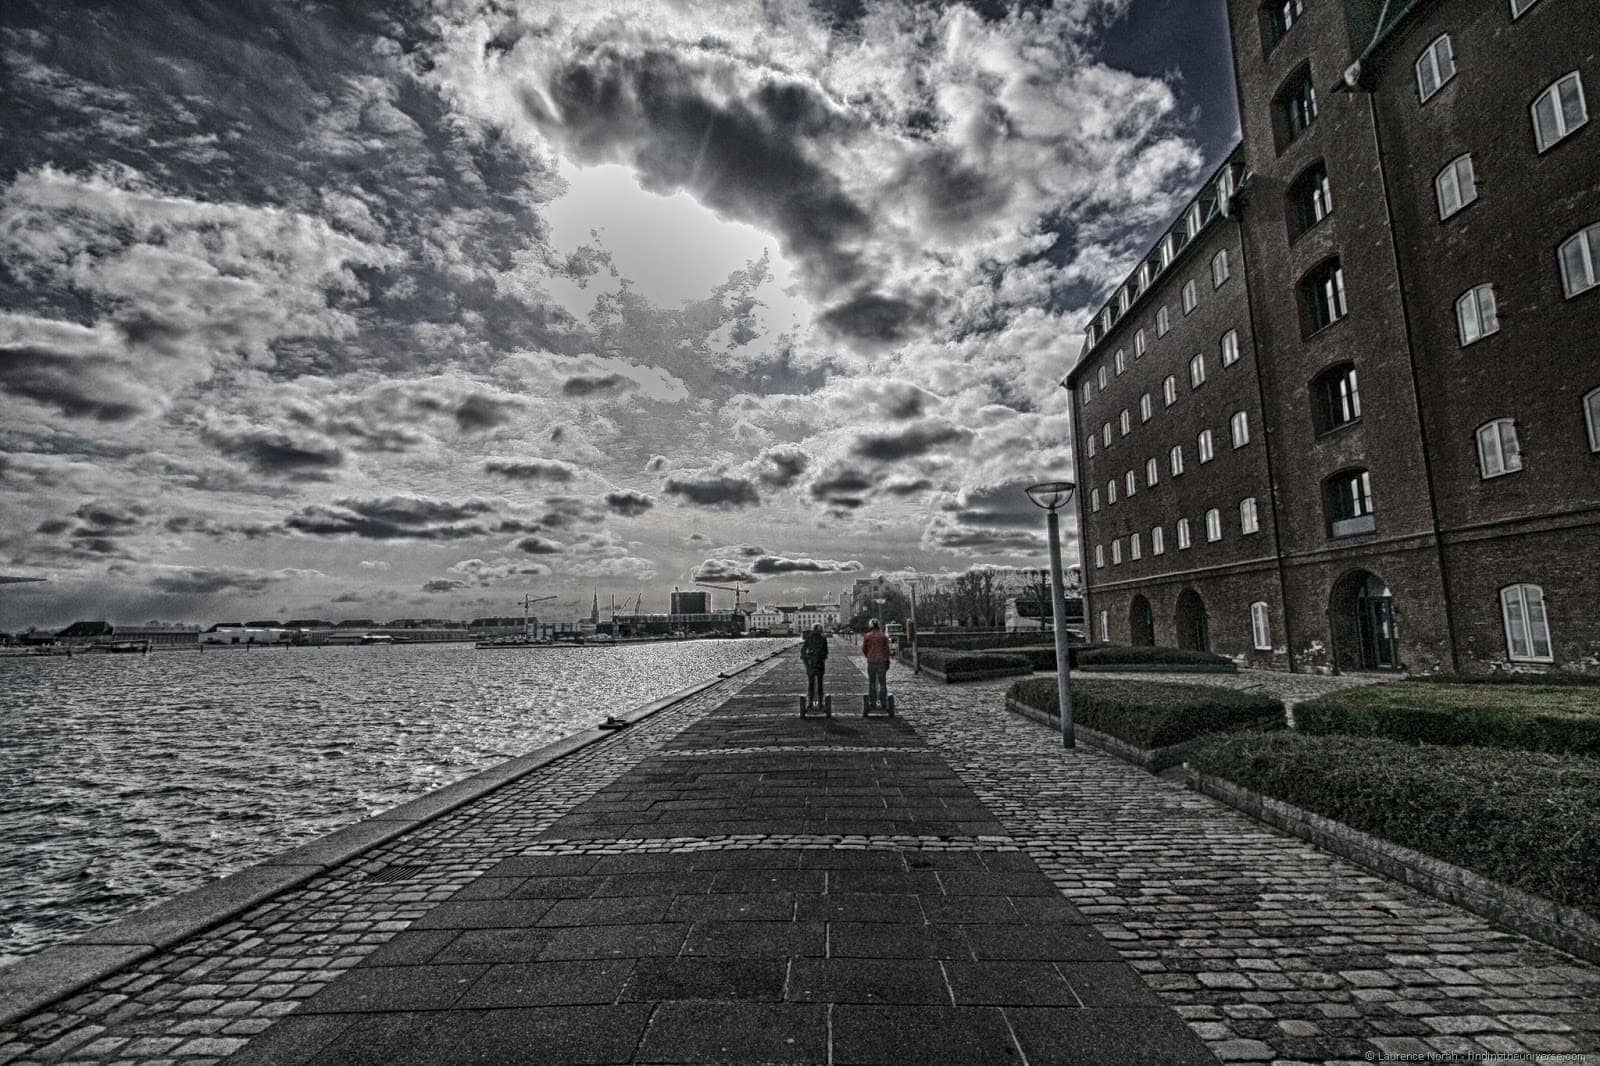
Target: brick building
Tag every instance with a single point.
(1346, 414)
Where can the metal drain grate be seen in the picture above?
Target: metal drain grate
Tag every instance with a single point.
(390, 874)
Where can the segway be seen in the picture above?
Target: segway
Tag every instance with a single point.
(826, 706)
(868, 707)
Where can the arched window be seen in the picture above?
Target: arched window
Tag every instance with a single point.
(1239, 427)
(1184, 539)
(1260, 628)
(1130, 483)
(1125, 422)
(1591, 418)
(1138, 343)
(1134, 551)
(1213, 525)
(1296, 106)
(1147, 408)
(1204, 444)
(1116, 552)
(1176, 457)
(1347, 500)
(1527, 625)
(1477, 314)
(1088, 444)
(1580, 261)
(1322, 301)
(1498, 452)
(1190, 296)
(1111, 492)
(1559, 111)
(1152, 469)
(1094, 500)
(1230, 347)
(1099, 556)
(1121, 359)
(1456, 186)
(1435, 67)
(1197, 371)
(1335, 397)
(1220, 271)
(1158, 541)
(1169, 390)
(1249, 519)
(1310, 199)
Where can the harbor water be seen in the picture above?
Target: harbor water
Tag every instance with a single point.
(125, 779)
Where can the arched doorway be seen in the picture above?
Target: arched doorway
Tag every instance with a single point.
(1362, 622)
(1141, 623)
(1194, 628)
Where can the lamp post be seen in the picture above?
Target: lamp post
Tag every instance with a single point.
(1052, 495)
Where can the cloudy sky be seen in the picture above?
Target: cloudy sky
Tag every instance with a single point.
(369, 310)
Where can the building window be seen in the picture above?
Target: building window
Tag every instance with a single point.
(1105, 627)
(1207, 451)
(1124, 298)
(1335, 398)
(1146, 408)
(1184, 540)
(1348, 499)
(1088, 394)
(1138, 343)
(1297, 106)
(1134, 551)
(1176, 457)
(1322, 300)
(1518, 7)
(1527, 626)
(1197, 371)
(1278, 18)
(1111, 492)
(1191, 296)
(1591, 418)
(1213, 525)
(1089, 444)
(1580, 261)
(1435, 67)
(1099, 556)
(1239, 429)
(1559, 111)
(1260, 631)
(1121, 361)
(1116, 552)
(1310, 199)
(1101, 377)
(1476, 316)
(1219, 269)
(1249, 518)
(1094, 500)
(1125, 422)
(1158, 541)
(1456, 186)
(1230, 347)
(1163, 322)
(1169, 390)
(1152, 469)
(1130, 483)
(1498, 452)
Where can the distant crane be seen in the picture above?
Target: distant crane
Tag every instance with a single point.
(528, 601)
(737, 590)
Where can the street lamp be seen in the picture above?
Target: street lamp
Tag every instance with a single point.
(1052, 495)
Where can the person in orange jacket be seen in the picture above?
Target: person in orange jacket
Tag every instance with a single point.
(875, 646)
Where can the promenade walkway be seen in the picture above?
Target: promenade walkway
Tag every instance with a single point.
(724, 882)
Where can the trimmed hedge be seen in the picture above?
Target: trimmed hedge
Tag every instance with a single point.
(1531, 717)
(958, 664)
(1530, 820)
(1155, 714)
(989, 641)
(1124, 655)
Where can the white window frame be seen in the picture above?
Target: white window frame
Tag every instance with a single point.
(1111, 492)
(1087, 393)
(1477, 314)
(1163, 321)
(1099, 556)
(1190, 295)
(1089, 445)
(1230, 347)
(1579, 259)
(1105, 434)
(1185, 540)
(1220, 271)
(1116, 552)
(1130, 484)
(1562, 125)
(1175, 459)
(1591, 418)
(1152, 469)
(1239, 428)
(1499, 451)
(1169, 391)
(1260, 626)
(1455, 186)
(1213, 526)
(1158, 541)
(1197, 370)
(1100, 376)
(1435, 67)
(1125, 422)
(1121, 359)
(1138, 343)
(1527, 624)
(1135, 551)
(1146, 408)
(1205, 444)
(1249, 516)
(1520, 7)
(1094, 499)
(1105, 627)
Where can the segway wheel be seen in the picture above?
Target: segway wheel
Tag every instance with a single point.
(891, 706)
(827, 706)
(802, 708)
(866, 705)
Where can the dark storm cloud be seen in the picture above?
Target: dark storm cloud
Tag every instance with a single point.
(628, 503)
(444, 584)
(781, 465)
(769, 565)
(724, 571)
(275, 451)
(716, 490)
(209, 581)
(995, 521)
(531, 469)
(79, 386)
(564, 512)
(740, 154)
(393, 518)
(876, 318)
(905, 486)
(842, 487)
(479, 412)
(537, 545)
(899, 400)
(582, 385)
(917, 439)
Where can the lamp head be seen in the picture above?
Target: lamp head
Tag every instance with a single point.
(1051, 494)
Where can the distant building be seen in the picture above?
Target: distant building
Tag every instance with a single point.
(90, 634)
(766, 619)
(691, 602)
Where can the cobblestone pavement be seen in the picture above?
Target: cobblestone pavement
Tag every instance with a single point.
(1273, 950)
(204, 999)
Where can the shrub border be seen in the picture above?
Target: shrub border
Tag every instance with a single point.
(1160, 668)
(1564, 927)
(977, 675)
(1154, 760)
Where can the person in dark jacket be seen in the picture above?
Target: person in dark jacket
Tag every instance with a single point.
(875, 647)
(814, 652)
